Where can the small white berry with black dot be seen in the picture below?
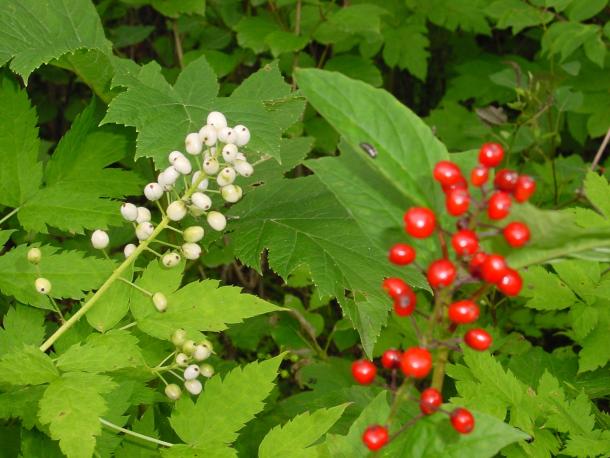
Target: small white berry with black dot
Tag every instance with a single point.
(191, 372)
(243, 135)
(170, 259)
(144, 215)
(42, 285)
(193, 386)
(242, 167)
(144, 230)
(229, 152)
(217, 120)
(201, 201)
(129, 212)
(100, 239)
(226, 176)
(208, 135)
(231, 193)
(193, 144)
(153, 191)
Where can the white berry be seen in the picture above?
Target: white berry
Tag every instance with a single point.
(160, 301)
(208, 135)
(206, 370)
(227, 135)
(191, 251)
(191, 372)
(129, 211)
(99, 239)
(231, 193)
(43, 286)
(35, 255)
(179, 337)
(193, 234)
(176, 210)
(243, 135)
(244, 168)
(211, 166)
(170, 259)
(229, 152)
(174, 155)
(217, 221)
(168, 177)
(201, 353)
(201, 201)
(129, 249)
(182, 360)
(226, 176)
(153, 191)
(143, 215)
(183, 165)
(217, 120)
(173, 391)
(193, 386)
(203, 184)
(193, 144)
(144, 230)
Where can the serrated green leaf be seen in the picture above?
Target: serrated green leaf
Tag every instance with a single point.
(72, 406)
(295, 437)
(467, 15)
(174, 9)
(33, 33)
(69, 272)
(517, 14)
(545, 290)
(22, 403)
(597, 190)
(110, 309)
(581, 276)
(280, 42)
(5, 236)
(225, 405)
(21, 173)
(356, 67)
(595, 351)
(27, 366)
(584, 319)
(413, 58)
(581, 11)
(22, 326)
(596, 444)
(102, 353)
(253, 30)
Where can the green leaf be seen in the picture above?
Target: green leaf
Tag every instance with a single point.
(22, 326)
(355, 67)
(21, 173)
(102, 353)
(545, 290)
(280, 42)
(22, 403)
(517, 14)
(225, 405)
(565, 38)
(252, 32)
(591, 445)
(34, 33)
(467, 15)
(597, 190)
(295, 437)
(358, 19)
(595, 351)
(69, 272)
(413, 57)
(581, 276)
(5, 236)
(581, 11)
(72, 406)
(174, 9)
(110, 309)
(79, 181)
(27, 366)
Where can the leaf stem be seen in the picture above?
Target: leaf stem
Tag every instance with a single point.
(134, 434)
(8, 215)
(133, 285)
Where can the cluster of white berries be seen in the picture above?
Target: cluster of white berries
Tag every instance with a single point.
(190, 355)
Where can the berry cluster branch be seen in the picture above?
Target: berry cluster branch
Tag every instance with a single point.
(462, 262)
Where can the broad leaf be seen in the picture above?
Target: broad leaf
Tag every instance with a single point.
(27, 366)
(22, 326)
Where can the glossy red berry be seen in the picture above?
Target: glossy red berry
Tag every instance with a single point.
(478, 339)
(401, 254)
(391, 359)
(510, 283)
(457, 202)
(516, 234)
(460, 184)
(465, 242)
(430, 400)
(462, 420)
(395, 287)
(476, 263)
(498, 206)
(463, 312)
(404, 305)
(491, 154)
(441, 273)
(525, 187)
(479, 175)
(493, 268)
(375, 437)
(364, 371)
(419, 222)
(447, 173)
(416, 362)
(506, 180)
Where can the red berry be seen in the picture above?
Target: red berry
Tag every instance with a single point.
(416, 362)
(430, 400)
(447, 173)
(463, 312)
(478, 339)
(498, 206)
(441, 273)
(404, 305)
(479, 175)
(401, 254)
(364, 371)
(395, 287)
(460, 184)
(375, 437)
(510, 283)
(476, 263)
(491, 154)
(517, 234)
(494, 267)
(457, 202)
(506, 180)
(524, 188)
(391, 359)
(465, 242)
(419, 222)
(462, 420)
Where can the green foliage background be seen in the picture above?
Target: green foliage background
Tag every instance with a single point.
(93, 95)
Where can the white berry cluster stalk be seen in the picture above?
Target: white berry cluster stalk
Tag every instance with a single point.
(213, 162)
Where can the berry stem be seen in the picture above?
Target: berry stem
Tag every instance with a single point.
(406, 426)
(133, 285)
(8, 215)
(134, 434)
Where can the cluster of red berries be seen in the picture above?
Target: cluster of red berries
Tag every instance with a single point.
(470, 264)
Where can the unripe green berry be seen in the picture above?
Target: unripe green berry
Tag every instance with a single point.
(182, 360)
(188, 347)
(160, 301)
(173, 391)
(34, 255)
(193, 234)
(179, 337)
(206, 370)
